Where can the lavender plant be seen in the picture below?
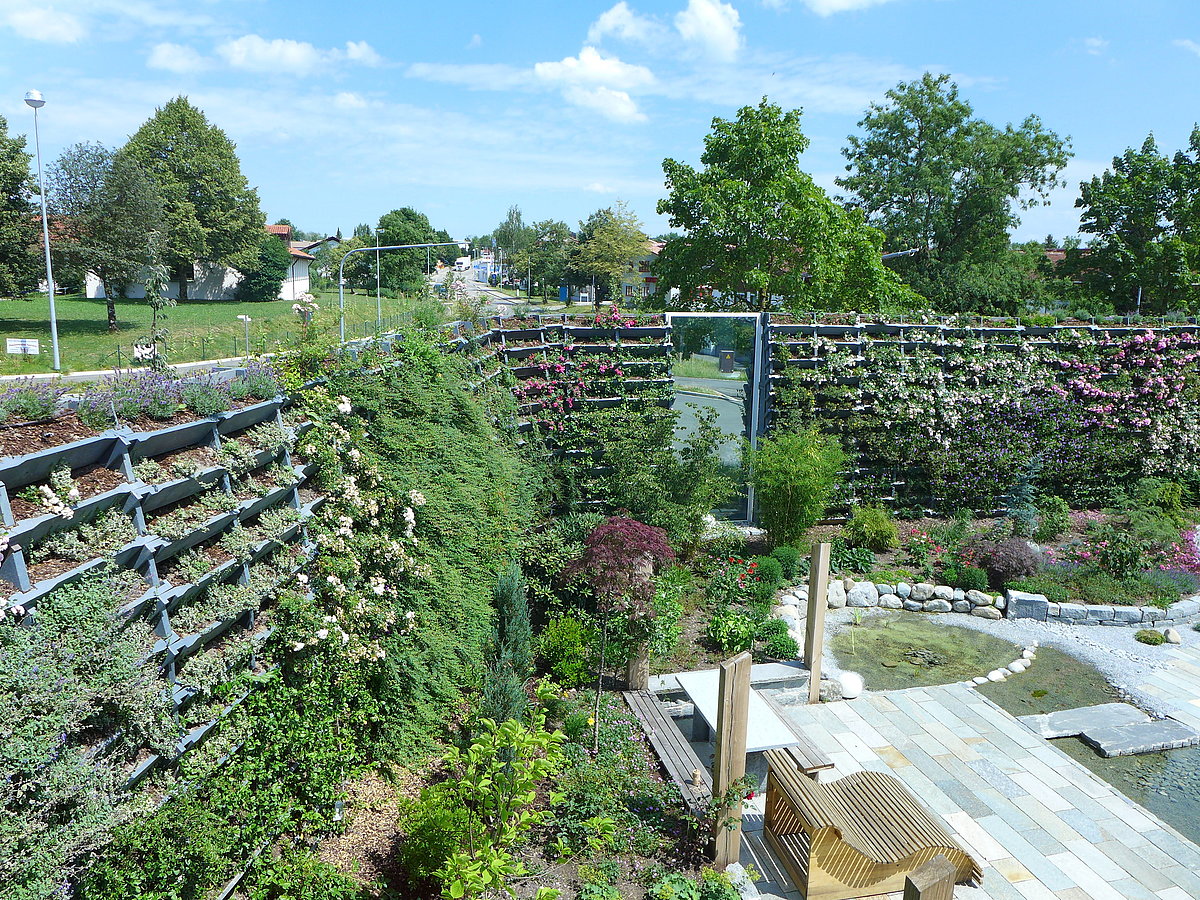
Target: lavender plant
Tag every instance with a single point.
(28, 400)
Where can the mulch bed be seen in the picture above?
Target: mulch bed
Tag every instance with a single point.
(51, 568)
(90, 480)
(366, 849)
(30, 437)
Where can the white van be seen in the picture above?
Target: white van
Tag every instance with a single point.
(462, 264)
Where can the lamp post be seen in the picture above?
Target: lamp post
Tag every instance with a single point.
(377, 249)
(245, 320)
(35, 100)
(378, 302)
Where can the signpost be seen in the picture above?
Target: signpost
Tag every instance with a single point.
(23, 346)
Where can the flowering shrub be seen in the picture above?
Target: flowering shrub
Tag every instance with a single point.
(28, 400)
(732, 581)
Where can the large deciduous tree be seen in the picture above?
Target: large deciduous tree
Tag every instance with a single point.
(550, 253)
(19, 241)
(609, 241)
(404, 269)
(759, 231)
(261, 282)
(1145, 215)
(931, 176)
(212, 214)
(110, 217)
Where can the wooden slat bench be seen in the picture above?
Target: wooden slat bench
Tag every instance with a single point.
(857, 836)
(676, 754)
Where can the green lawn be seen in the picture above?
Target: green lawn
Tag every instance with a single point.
(700, 366)
(199, 329)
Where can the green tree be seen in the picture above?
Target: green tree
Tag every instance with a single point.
(550, 254)
(212, 214)
(262, 281)
(1145, 215)
(609, 241)
(19, 240)
(111, 216)
(758, 228)
(404, 269)
(359, 270)
(513, 235)
(932, 177)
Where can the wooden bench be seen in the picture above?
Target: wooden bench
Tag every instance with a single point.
(676, 754)
(857, 836)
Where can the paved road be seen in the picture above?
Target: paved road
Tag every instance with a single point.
(728, 406)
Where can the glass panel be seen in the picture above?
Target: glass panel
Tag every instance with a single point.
(713, 358)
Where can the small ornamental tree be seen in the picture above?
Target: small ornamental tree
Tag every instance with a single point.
(619, 560)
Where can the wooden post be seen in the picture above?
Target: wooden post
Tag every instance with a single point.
(814, 633)
(932, 881)
(729, 762)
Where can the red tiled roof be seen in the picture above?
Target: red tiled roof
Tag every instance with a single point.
(299, 254)
(284, 231)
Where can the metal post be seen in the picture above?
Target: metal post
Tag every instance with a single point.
(37, 143)
(378, 302)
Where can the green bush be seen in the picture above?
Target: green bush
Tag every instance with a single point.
(1149, 636)
(782, 646)
(793, 474)
(788, 558)
(769, 570)
(565, 649)
(673, 886)
(296, 874)
(771, 627)
(730, 631)
(872, 527)
(969, 578)
(1043, 583)
(1054, 518)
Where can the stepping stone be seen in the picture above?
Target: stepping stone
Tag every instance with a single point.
(1143, 737)
(1072, 722)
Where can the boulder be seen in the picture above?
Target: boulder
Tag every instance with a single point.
(979, 598)
(912, 605)
(831, 690)
(852, 685)
(922, 591)
(987, 612)
(847, 583)
(1018, 665)
(903, 590)
(1001, 603)
(959, 594)
(1028, 606)
(885, 589)
(1173, 636)
(962, 606)
(937, 606)
(997, 674)
(943, 592)
(863, 594)
(836, 595)
(890, 601)
(979, 679)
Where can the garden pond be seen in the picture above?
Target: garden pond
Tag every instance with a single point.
(895, 652)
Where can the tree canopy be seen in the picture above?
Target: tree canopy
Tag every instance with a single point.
(19, 240)
(211, 212)
(931, 176)
(1145, 215)
(609, 241)
(404, 269)
(262, 281)
(759, 231)
(111, 217)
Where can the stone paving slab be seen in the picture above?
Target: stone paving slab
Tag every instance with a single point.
(1143, 737)
(1044, 825)
(1073, 722)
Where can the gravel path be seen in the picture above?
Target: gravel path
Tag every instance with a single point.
(1124, 662)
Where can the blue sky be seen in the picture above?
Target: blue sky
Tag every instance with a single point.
(342, 112)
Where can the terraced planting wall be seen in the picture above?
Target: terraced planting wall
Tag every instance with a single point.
(201, 522)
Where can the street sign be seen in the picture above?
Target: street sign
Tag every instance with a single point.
(24, 346)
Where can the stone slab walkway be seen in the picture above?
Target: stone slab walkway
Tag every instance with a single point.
(1177, 685)
(1045, 827)
(1113, 729)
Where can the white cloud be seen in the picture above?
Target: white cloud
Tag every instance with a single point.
(363, 53)
(475, 41)
(624, 24)
(1188, 44)
(255, 54)
(176, 58)
(615, 105)
(475, 76)
(1095, 45)
(349, 100)
(591, 68)
(598, 187)
(712, 26)
(45, 23)
(830, 7)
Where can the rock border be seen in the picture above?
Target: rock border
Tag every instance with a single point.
(1016, 667)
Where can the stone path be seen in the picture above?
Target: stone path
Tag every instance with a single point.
(1045, 827)
(1113, 729)
(1178, 686)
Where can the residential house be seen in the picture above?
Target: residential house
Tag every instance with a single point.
(637, 282)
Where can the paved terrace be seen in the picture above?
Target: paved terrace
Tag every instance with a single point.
(1177, 686)
(1044, 827)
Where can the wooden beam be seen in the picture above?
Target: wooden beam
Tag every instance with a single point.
(729, 764)
(814, 633)
(932, 881)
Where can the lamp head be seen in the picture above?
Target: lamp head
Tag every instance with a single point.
(35, 99)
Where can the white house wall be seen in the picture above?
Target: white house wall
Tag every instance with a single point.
(213, 282)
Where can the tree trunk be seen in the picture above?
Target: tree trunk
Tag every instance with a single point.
(181, 278)
(637, 670)
(112, 305)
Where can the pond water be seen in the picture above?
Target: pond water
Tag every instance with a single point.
(906, 650)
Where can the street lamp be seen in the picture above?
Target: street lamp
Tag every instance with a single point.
(378, 302)
(35, 100)
(246, 321)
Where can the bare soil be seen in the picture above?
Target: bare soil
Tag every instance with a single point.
(30, 437)
(51, 568)
(366, 849)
